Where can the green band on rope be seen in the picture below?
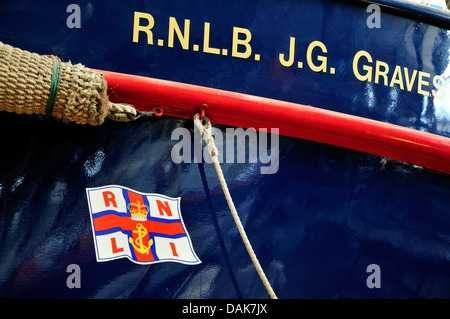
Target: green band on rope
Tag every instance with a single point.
(54, 86)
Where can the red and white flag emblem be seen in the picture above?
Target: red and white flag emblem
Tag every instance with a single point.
(145, 228)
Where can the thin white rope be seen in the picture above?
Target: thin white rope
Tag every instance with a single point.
(205, 131)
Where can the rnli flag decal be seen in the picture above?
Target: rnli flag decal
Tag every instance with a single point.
(145, 228)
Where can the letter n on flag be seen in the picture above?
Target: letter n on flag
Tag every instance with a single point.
(145, 228)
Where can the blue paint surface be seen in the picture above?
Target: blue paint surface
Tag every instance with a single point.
(315, 225)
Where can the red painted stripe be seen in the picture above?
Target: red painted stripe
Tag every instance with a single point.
(301, 121)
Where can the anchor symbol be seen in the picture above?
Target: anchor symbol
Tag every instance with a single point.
(138, 244)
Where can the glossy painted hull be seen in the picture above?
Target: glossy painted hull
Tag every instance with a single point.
(315, 225)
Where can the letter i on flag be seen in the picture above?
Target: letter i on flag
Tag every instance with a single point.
(145, 228)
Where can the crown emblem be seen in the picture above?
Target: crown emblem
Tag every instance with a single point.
(138, 211)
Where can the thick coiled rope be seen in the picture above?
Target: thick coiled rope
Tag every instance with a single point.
(43, 85)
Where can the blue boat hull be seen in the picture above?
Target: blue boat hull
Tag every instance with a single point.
(316, 225)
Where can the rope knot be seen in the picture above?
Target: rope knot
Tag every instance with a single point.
(205, 131)
(122, 112)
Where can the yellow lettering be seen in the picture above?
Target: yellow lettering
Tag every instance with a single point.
(421, 82)
(368, 69)
(206, 47)
(322, 67)
(137, 27)
(379, 73)
(409, 82)
(245, 42)
(440, 93)
(397, 78)
(290, 61)
(182, 37)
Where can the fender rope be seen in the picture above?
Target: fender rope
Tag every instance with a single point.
(43, 85)
(205, 131)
